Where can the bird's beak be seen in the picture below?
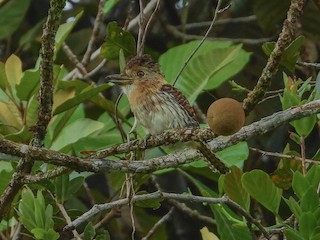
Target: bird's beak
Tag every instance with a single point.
(120, 79)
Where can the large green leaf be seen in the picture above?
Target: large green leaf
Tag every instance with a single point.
(73, 132)
(173, 60)
(28, 85)
(88, 93)
(213, 64)
(11, 16)
(228, 228)
(259, 185)
(116, 40)
(234, 155)
(234, 189)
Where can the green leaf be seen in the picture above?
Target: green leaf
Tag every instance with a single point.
(51, 235)
(294, 207)
(63, 32)
(61, 186)
(13, 67)
(3, 77)
(89, 232)
(39, 233)
(88, 93)
(259, 185)
(32, 111)
(310, 200)
(5, 179)
(151, 203)
(103, 235)
(304, 126)
(291, 53)
(174, 59)
(313, 176)
(234, 155)
(74, 185)
(213, 64)
(292, 234)
(11, 16)
(65, 138)
(299, 184)
(29, 84)
(207, 235)
(32, 34)
(228, 228)
(109, 4)
(35, 216)
(234, 189)
(117, 39)
(307, 224)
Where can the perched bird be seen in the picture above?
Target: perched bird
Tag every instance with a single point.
(157, 105)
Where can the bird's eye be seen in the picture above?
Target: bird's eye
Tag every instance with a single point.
(140, 73)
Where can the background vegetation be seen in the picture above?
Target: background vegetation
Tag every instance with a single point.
(57, 113)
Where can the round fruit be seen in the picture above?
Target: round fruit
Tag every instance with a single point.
(225, 116)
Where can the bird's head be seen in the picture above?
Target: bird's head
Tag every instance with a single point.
(140, 70)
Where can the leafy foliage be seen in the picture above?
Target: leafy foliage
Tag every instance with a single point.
(85, 119)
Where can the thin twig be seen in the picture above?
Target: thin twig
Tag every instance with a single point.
(73, 58)
(303, 155)
(219, 22)
(66, 217)
(250, 41)
(306, 64)
(147, 27)
(141, 31)
(94, 35)
(281, 155)
(161, 221)
(201, 42)
(147, 9)
(183, 208)
(96, 69)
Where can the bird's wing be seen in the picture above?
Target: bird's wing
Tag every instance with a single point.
(180, 99)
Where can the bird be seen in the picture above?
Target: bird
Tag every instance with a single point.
(156, 105)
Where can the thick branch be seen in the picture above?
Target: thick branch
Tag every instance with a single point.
(172, 160)
(285, 38)
(183, 135)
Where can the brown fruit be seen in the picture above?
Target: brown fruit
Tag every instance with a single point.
(225, 116)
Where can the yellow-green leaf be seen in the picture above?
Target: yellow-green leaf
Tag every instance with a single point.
(13, 68)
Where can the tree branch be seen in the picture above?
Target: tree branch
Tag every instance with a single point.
(164, 196)
(45, 106)
(93, 164)
(285, 38)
